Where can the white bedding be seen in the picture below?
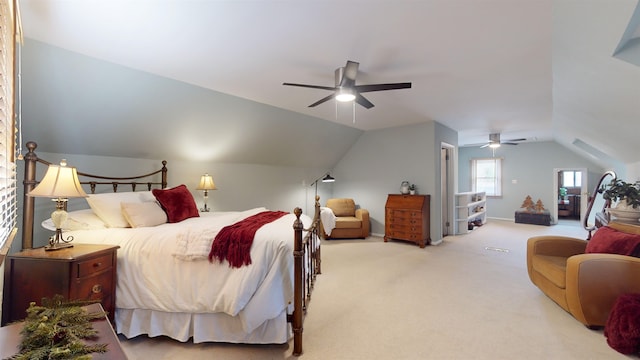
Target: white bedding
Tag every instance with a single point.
(166, 268)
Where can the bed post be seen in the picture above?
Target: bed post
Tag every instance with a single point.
(298, 301)
(29, 181)
(164, 174)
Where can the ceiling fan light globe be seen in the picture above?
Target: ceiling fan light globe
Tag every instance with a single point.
(345, 97)
(494, 145)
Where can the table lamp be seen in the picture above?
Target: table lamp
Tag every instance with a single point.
(59, 183)
(206, 184)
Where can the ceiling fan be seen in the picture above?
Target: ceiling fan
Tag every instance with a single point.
(346, 88)
(494, 141)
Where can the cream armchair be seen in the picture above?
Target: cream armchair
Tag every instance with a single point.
(350, 223)
(585, 285)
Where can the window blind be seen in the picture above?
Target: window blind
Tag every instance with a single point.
(8, 195)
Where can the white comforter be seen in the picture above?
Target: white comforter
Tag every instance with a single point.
(166, 268)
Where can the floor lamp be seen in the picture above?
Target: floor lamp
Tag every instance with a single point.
(326, 179)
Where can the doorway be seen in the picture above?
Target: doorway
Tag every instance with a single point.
(570, 189)
(447, 187)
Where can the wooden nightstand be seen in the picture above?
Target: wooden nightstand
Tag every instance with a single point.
(82, 272)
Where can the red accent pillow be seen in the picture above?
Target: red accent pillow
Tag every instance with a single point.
(622, 328)
(611, 241)
(177, 202)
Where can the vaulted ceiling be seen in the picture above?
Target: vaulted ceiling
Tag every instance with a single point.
(535, 69)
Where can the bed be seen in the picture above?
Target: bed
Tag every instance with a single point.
(169, 281)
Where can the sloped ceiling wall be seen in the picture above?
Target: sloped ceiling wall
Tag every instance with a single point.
(75, 104)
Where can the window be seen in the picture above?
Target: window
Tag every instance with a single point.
(8, 201)
(571, 179)
(486, 175)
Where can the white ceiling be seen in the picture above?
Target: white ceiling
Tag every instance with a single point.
(538, 69)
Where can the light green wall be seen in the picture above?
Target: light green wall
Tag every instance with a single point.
(380, 160)
(532, 166)
(240, 186)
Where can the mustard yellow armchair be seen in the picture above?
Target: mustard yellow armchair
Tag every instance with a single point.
(585, 285)
(346, 221)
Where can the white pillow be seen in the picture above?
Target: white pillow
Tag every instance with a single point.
(78, 220)
(107, 205)
(143, 214)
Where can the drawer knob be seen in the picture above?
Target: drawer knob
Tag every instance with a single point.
(96, 265)
(96, 289)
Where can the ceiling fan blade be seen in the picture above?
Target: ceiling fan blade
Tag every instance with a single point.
(363, 101)
(349, 74)
(323, 100)
(508, 143)
(512, 140)
(311, 86)
(382, 87)
(484, 146)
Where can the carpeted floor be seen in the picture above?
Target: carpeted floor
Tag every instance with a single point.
(468, 298)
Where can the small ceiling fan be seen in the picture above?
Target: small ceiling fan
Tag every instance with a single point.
(345, 88)
(494, 141)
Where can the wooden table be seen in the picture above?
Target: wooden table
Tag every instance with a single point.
(10, 338)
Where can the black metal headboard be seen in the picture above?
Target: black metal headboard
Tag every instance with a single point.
(31, 160)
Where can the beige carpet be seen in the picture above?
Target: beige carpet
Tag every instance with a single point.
(468, 298)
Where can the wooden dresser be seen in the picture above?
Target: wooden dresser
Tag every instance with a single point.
(82, 272)
(407, 218)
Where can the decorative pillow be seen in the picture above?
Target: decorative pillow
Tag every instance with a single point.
(107, 205)
(143, 214)
(78, 220)
(611, 241)
(177, 202)
(622, 328)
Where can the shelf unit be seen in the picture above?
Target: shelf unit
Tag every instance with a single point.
(470, 206)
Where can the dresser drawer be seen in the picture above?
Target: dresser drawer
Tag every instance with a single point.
(404, 234)
(94, 266)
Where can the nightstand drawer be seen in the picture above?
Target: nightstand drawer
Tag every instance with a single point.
(94, 266)
(92, 288)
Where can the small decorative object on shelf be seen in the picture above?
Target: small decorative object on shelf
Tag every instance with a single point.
(412, 189)
(404, 188)
(56, 329)
(539, 207)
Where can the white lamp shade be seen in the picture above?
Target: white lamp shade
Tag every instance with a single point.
(59, 182)
(206, 183)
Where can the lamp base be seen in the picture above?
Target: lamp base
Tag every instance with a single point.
(57, 242)
(58, 246)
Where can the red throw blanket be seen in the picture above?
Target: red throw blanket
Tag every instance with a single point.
(233, 242)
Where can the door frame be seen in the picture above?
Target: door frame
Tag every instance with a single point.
(448, 187)
(584, 192)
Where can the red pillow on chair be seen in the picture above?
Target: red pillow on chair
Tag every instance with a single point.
(611, 241)
(177, 202)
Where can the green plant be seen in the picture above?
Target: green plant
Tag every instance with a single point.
(618, 189)
(562, 191)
